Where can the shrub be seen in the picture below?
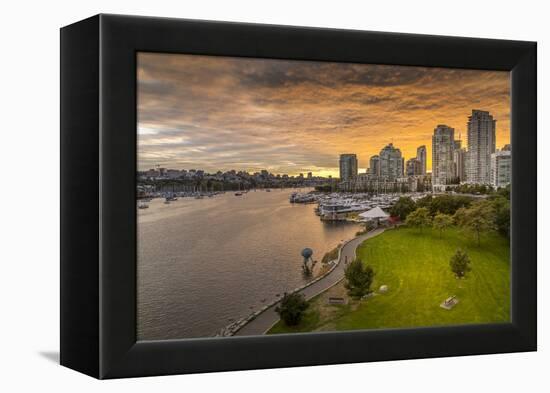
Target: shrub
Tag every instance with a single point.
(359, 278)
(402, 208)
(292, 308)
(331, 255)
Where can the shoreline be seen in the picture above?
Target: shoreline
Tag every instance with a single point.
(265, 318)
(234, 327)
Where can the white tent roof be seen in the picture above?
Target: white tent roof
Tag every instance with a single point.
(374, 213)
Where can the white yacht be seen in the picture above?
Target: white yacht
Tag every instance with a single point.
(297, 197)
(337, 209)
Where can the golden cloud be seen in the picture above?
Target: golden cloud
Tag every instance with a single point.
(221, 113)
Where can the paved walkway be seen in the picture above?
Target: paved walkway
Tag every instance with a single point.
(263, 322)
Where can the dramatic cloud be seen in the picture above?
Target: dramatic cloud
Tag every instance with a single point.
(221, 113)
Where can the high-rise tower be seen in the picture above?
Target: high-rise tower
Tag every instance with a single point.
(391, 162)
(421, 156)
(348, 166)
(443, 145)
(481, 144)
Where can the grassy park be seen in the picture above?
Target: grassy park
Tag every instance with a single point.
(414, 264)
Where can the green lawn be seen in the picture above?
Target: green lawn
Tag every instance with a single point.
(415, 267)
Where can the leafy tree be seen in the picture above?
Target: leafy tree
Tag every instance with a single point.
(424, 202)
(403, 207)
(478, 218)
(367, 226)
(504, 192)
(419, 218)
(292, 308)
(358, 278)
(460, 263)
(474, 189)
(448, 204)
(441, 222)
(458, 217)
(501, 216)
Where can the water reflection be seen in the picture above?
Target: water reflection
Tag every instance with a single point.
(203, 263)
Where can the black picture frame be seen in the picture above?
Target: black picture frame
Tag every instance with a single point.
(98, 213)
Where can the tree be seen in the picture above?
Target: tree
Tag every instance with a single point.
(419, 218)
(460, 263)
(501, 208)
(359, 278)
(403, 207)
(473, 189)
(448, 204)
(458, 217)
(504, 192)
(425, 201)
(441, 222)
(478, 218)
(292, 308)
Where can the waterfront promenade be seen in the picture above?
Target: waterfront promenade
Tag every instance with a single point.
(264, 321)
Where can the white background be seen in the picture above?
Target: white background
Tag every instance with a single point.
(29, 194)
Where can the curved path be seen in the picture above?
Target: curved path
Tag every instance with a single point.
(263, 322)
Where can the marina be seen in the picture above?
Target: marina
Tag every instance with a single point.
(347, 206)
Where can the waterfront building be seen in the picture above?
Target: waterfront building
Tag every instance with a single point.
(419, 183)
(501, 168)
(348, 166)
(481, 145)
(414, 167)
(391, 162)
(442, 155)
(374, 166)
(365, 182)
(422, 156)
(309, 175)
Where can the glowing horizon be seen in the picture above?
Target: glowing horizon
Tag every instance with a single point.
(290, 117)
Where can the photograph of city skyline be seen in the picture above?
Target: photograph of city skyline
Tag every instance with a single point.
(278, 196)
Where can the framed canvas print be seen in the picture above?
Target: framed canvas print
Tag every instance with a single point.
(239, 196)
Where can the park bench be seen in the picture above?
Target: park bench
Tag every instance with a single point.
(336, 300)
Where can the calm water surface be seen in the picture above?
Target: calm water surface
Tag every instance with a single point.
(204, 262)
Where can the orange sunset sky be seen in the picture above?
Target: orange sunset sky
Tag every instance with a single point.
(222, 113)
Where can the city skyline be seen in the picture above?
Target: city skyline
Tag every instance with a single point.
(220, 113)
